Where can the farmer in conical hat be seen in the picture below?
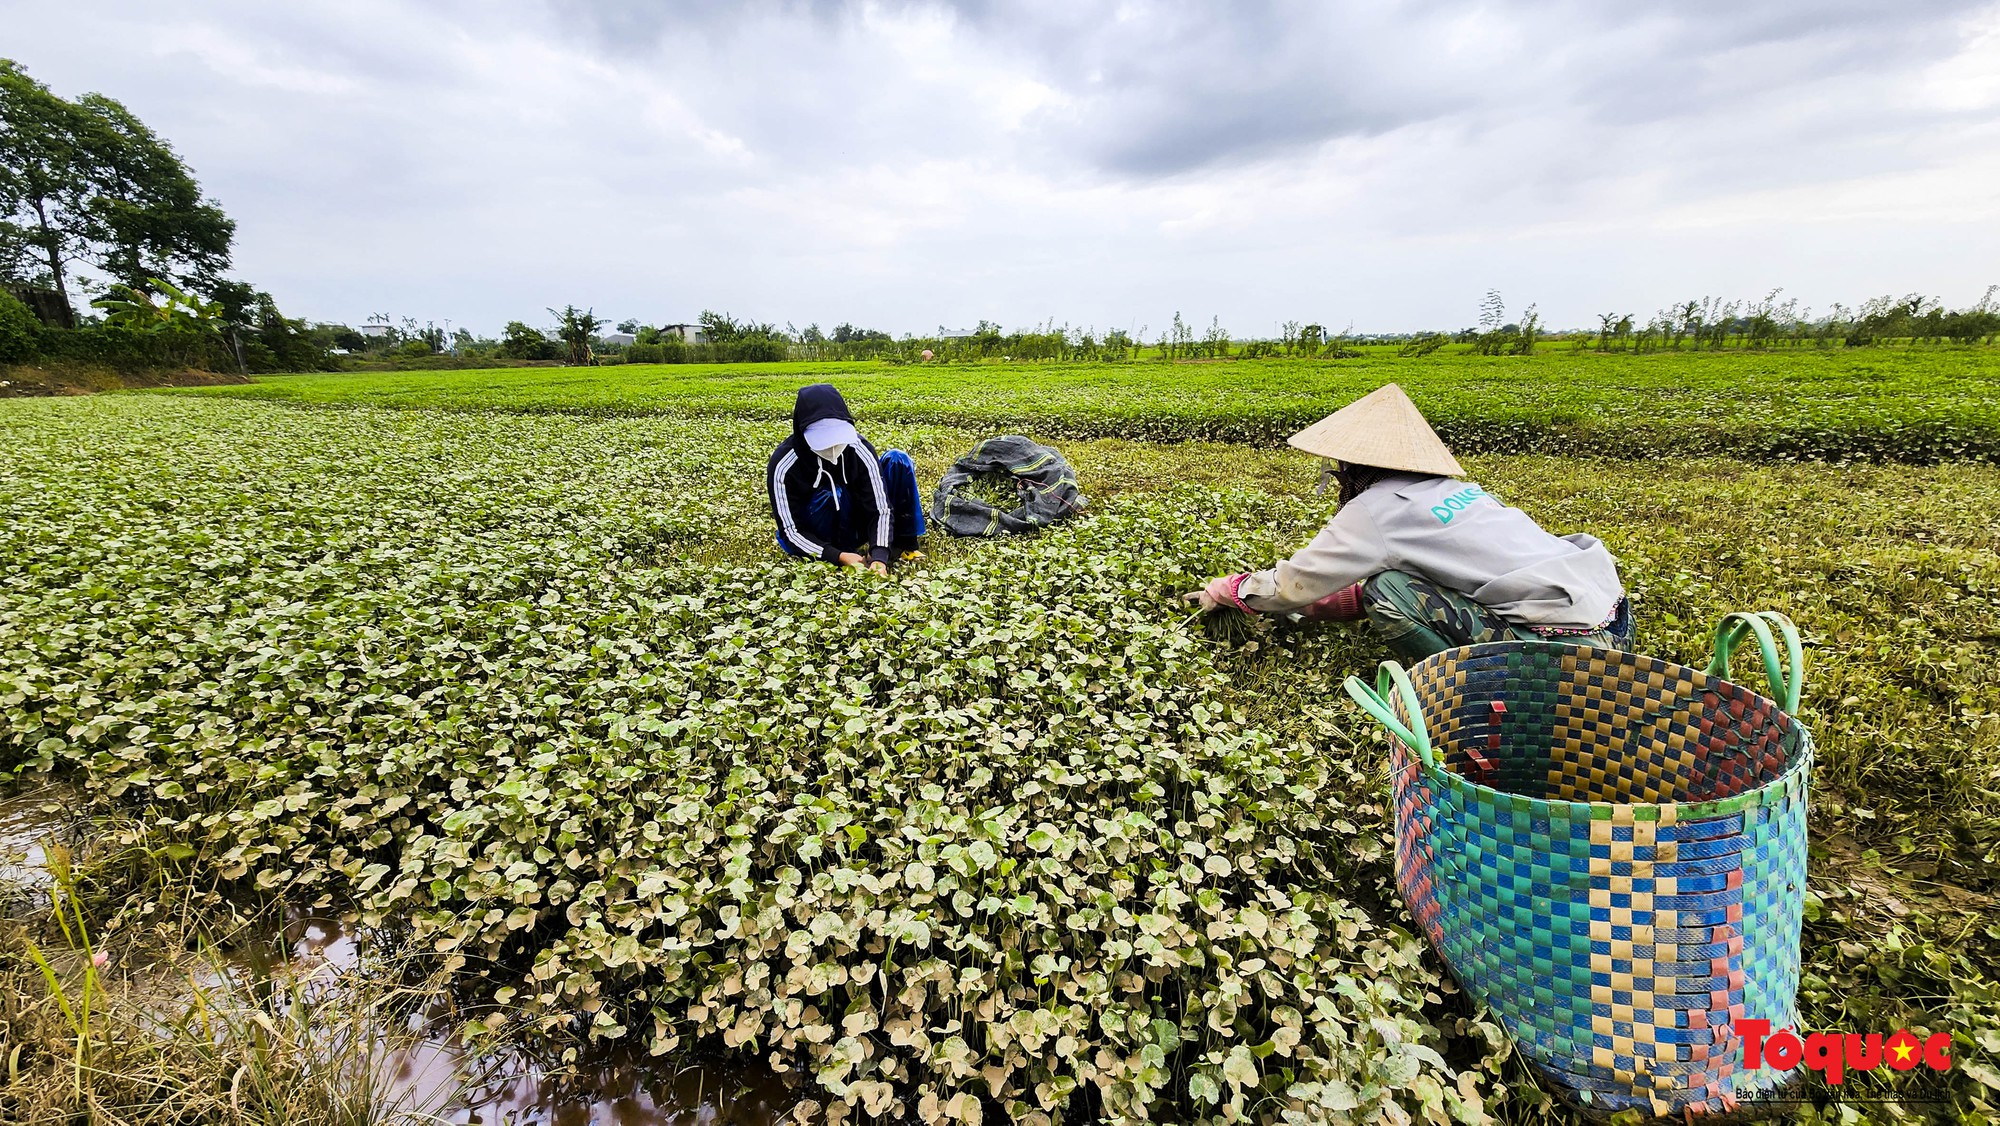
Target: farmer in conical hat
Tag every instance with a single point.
(833, 497)
(1431, 560)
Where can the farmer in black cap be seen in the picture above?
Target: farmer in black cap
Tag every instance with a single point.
(833, 497)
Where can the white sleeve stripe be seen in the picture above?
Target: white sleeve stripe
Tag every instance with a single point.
(784, 505)
(881, 503)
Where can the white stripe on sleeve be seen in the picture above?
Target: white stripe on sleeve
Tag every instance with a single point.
(784, 505)
(881, 502)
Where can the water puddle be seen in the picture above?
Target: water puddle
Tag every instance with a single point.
(622, 1088)
(618, 1088)
(29, 820)
(627, 1091)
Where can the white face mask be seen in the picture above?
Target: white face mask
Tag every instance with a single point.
(832, 453)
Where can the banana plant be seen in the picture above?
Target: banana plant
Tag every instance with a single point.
(132, 307)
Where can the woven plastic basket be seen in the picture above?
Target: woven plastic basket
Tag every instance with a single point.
(1609, 851)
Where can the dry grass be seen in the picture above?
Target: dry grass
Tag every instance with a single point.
(137, 1029)
(83, 379)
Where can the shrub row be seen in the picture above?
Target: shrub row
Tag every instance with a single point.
(753, 351)
(1919, 442)
(25, 339)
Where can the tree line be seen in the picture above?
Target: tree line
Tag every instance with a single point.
(578, 336)
(93, 201)
(1713, 323)
(575, 336)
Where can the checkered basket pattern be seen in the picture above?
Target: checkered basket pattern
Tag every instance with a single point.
(1609, 851)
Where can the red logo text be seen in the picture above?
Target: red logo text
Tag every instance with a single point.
(1834, 1054)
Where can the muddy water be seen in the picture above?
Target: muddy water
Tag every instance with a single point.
(614, 1089)
(617, 1089)
(625, 1092)
(29, 822)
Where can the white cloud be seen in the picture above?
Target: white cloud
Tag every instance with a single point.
(906, 165)
(1969, 81)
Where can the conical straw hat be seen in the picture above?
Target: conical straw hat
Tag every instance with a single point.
(1381, 428)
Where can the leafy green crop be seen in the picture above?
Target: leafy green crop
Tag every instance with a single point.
(991, 827)
(995, 490)
(1892, 404)
(538, 692)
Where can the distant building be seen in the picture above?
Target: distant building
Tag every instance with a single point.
(376, 330)
(620, 339)
(689, 334)
(960, 334)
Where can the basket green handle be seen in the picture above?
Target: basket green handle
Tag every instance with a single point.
(1391, 677)
(1786, 680)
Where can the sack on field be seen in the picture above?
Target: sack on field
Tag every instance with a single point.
(1043, 486)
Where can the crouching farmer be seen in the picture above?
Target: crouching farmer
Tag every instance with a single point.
(833, 497)
(1429, 559)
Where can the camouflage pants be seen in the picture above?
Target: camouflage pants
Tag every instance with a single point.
(1417, 618)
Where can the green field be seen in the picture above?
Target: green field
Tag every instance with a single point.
(1904, 404)
(514, 674)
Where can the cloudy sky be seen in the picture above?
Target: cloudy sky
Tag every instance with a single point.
(910, 165)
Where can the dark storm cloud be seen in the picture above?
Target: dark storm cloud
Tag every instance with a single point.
(1165, 87)
(640, 26)
(1173, 87)
(1188, 86)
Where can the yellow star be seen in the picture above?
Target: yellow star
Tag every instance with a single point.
(1902, 1052)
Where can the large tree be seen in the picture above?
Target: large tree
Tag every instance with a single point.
(157, 221)
(576, 329)
(85, 182)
